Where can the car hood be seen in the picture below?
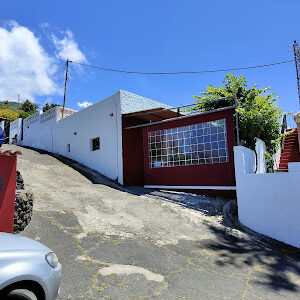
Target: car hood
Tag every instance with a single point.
(12, 242)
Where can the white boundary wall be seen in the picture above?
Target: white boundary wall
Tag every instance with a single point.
(15, 128)
(268, 203)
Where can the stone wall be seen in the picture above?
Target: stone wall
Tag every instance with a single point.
(23, 205)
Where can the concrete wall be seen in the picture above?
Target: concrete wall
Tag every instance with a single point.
(15, 129)
(268, 203)
(49, 132)
(99, 120)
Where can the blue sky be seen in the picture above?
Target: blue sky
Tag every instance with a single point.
(145, 36)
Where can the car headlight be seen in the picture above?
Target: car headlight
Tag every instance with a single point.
(52, 259)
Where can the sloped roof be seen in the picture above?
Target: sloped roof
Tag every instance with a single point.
(133, 103)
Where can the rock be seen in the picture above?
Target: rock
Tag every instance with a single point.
(20, 181)
(23, 209)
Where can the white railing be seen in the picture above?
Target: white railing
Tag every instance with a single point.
(32, 119)
(49, 114)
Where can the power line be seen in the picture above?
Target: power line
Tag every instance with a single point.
(182, 72)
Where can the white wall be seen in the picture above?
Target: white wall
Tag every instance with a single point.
(37, 129)
(15, 128)
(49, 132)
(268, 203)
(98, 120)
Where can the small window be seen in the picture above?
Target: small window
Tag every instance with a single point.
(68, 147)
(95, 144)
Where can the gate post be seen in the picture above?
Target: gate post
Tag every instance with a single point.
(8, 168)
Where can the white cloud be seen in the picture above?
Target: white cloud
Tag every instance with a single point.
(84, 104)
(67, 48)
(25, 67)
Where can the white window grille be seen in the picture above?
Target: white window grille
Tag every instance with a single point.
(203, 143)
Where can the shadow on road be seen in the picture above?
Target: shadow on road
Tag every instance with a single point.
(270, 268)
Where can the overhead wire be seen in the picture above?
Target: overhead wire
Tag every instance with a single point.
(181, 72)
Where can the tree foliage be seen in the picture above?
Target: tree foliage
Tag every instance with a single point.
(10, 116)
(259, 116)
(47, 106)
(24, 115)
(8, 111)
(28, 106)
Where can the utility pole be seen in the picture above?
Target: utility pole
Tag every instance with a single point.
(18, 98)
(236, 120)
(297, 63)
(67, 67)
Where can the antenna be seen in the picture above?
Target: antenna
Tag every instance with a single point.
(297, 63)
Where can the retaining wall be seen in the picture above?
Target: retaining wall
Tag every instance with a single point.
(268, 203)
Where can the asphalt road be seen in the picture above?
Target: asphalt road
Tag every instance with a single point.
(117, 243)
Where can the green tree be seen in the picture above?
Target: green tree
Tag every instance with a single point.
(259, 116)
(47, 106)
(28, 106)
(24, 115)
(10, 116)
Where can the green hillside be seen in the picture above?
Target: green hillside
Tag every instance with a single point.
(11, 105)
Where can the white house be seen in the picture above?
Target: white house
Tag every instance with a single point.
(137, 141)
(92, 136)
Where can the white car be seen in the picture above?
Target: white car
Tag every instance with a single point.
(28, 269)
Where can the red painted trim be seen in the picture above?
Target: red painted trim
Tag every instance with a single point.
(133, 153)
(7, 193)
(218, 174)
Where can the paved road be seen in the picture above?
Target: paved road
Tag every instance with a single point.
(117, 243)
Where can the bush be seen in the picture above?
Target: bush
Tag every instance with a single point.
(259, 116)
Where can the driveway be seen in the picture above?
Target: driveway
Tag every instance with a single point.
(118, 243)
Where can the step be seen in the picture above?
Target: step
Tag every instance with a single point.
(292, 139)
(290, 159)
(286, 158)
(293, 136)
(291, 149)
(292, 155)
(291, 145)
(290, 152)
(294, 151)
(295, 142)
(283, 166)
